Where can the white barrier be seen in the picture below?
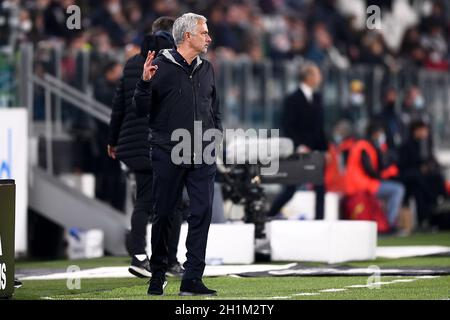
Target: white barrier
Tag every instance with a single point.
(85, 244)
(228, 243)
(322, 241)
(302, 206)
(84, 182)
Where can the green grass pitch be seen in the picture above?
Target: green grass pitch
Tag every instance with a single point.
(261, 288)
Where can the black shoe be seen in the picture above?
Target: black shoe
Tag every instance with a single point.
(140, 269)
(175, 270)
(195, 287)
(157, 285)
(17, 284)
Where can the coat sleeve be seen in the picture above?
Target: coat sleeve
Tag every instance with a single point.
(367, 165)
(290, 122)
(118, 113)
(142, 98)
(216, 108)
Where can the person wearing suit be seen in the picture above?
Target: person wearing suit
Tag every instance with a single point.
(303, 122)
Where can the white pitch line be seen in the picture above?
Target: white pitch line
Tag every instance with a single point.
(359, 286)
(333, 290)
(307, 294)
(404, 280)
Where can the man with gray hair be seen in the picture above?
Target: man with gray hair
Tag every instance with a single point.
(178, 91)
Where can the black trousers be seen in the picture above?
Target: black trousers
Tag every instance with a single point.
(168, 182)
(425, 189)
(110, 183)
(143, 208)
(287, 194)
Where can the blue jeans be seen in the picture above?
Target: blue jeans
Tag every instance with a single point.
(392, 192)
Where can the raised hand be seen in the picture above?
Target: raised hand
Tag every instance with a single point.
(149, 69)
(111, 151)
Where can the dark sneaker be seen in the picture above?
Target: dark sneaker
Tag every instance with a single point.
(140, 267)
(157, 285)
(175, 270)
(195, 287)
(17, 284)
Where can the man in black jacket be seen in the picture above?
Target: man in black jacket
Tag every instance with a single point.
(421, 172)
(178, 91)
(303, 122)
(128, 141)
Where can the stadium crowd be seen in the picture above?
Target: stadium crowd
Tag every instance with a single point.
(322, 31)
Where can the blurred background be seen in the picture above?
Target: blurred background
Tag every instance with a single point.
(66, 79)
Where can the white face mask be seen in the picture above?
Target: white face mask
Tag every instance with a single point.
(26, 26)
(337, 138)
(357, 99)
(419, 103)
(381, 139)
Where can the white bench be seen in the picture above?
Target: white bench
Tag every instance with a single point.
(322, 241)
(302, 206)
(228, 243)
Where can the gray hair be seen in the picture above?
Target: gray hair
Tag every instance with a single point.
(186, 23)
(305, 70)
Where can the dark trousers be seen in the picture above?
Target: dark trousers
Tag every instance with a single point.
(110, 183)
(141, 213)
(168, 182)
(287, 194)
(425, 189)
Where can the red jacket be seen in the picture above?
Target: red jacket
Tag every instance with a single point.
(335, 172)
(357, 179)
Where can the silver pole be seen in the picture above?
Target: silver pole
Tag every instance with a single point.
(48, 131)
(26, 84)
(58, 111)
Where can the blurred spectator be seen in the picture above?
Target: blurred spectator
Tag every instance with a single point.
(338, 152)
(104, 87)
(110, 180)
(369, 170)
(436, 47)
(420, 171)
(373, 49)
(357, 100)
(323, 51)
(436, 18)
(411, 48)
(55, 18)
(326, 12)
(110, 17)
(392, 122)
(414, 108)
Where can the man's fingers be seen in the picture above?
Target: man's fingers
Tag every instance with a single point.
(150, 56)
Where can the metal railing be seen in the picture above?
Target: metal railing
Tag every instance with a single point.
(54, 87)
